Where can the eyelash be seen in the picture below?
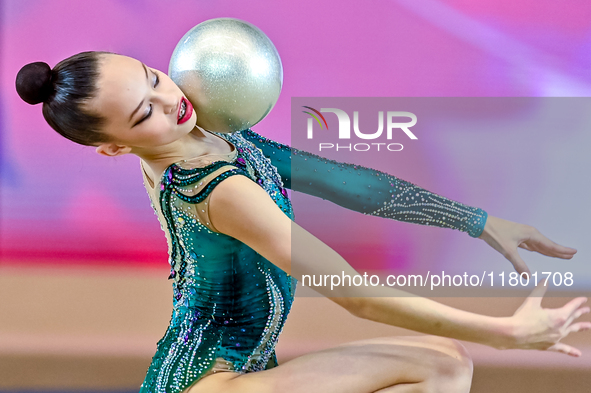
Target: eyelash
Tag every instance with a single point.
(156, 82)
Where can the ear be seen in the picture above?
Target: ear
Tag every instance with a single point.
(112, 149)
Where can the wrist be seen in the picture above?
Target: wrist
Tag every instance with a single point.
(487, 227)
(504, 337)
(477, 223)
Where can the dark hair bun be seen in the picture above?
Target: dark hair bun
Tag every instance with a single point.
(33, 82)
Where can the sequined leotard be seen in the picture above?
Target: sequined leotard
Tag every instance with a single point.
(230, 303)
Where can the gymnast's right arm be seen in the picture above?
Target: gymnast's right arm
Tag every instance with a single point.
(242, 209)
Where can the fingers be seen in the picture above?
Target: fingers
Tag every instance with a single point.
(540, 243)
(566, 349)
(577, 314)
(572, 307)
(535, 297)
(575, 310)
(518, 263)
(578, 327)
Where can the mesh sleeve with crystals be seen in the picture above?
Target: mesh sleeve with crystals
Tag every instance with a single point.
(366, 190)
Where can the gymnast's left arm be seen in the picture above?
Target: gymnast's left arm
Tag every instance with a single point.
(377, 193)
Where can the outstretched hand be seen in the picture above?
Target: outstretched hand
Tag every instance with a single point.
(540, 328)
(506, 236)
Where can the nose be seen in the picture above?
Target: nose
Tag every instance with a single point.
(168, 101)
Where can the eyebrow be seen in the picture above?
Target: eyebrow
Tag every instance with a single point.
(141, 103)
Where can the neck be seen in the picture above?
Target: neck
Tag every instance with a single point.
(158, 159)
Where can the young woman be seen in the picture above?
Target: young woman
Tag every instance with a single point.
(235, 252)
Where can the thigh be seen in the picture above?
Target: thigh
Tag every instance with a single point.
(358, 367)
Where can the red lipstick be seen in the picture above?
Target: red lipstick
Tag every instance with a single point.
(188, 110)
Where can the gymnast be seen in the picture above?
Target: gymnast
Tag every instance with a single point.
(236, 253)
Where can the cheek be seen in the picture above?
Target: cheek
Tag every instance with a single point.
(161, 129)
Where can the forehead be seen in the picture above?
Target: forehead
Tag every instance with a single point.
(120, 88)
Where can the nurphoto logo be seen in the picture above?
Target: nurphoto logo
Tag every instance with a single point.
(395, 121)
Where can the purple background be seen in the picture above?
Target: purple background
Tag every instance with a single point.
(62, 203)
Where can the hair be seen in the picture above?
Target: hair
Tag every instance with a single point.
(64, 91)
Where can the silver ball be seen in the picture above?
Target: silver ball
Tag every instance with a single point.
(230, 71)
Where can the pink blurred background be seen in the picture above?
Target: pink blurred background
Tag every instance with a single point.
(62, 203)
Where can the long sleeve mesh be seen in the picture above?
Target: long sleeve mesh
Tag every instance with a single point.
(367, 190)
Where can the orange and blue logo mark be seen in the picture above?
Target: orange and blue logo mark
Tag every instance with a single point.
(315, 117)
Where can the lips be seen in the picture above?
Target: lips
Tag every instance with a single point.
(186, 107)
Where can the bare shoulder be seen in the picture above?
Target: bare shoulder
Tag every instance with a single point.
(240, 208)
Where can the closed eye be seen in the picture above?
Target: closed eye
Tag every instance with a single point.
(146, 116)
(155, 83)
(156, 79)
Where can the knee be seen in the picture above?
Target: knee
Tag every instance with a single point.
(446, 345)
(458, 351)
(452, 368)
(459, 365)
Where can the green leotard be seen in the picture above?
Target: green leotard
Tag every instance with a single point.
(230, 304)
